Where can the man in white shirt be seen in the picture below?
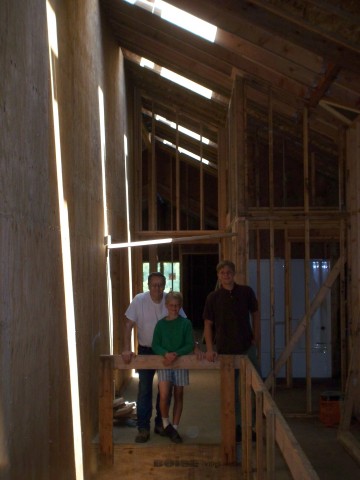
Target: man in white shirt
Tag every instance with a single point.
(145, 310)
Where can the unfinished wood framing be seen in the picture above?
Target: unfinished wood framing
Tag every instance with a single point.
(350, 406)
(201, 186)
(301, 328)
(307, 259)
(302, 225)
(177, 176)
(152, 183)
(277, 431)
(288, 305)
(222, 178)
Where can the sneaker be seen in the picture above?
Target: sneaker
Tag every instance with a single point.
(159, 429)
(143, 436)
(172, 434)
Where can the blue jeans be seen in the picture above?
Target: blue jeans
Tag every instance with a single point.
(145, 393)
(251, 353)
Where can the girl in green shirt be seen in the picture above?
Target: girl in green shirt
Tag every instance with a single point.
(173, 336)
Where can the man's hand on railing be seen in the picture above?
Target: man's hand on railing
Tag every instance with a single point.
(211, 356)
(127, 356)
(198, 352)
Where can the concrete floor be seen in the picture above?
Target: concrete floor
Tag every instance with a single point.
(328, 457)
(200, 423)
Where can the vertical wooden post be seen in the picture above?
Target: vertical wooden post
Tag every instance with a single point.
(288, 305)
(223, 195)
(343, 329)
(106, 448)
(259, 403)
(272, 303)
(270, 445)
(271, 151)
(239, 119)
(177, 176)
(239, 243)
(152, 187)
(258, 281)
(228, 453)
(152, 178)
(248, 418)
(307, 259)
(201, 193)
(244, 415)
(137, 156)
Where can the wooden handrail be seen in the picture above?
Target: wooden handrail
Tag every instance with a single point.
(277, 430)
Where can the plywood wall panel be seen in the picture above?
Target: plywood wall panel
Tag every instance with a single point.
(35, 371)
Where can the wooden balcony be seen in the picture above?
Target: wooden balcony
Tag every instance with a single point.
(258, 459)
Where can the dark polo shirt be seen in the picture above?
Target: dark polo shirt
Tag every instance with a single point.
(230, 313)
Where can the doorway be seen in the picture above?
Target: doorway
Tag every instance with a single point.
(199, 279)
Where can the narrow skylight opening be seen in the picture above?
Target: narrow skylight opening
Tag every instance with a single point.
(187, 21)
(185, 82)
(181, 129)
(186, 152)
(176, 78)
(179, 17)
(147, 63)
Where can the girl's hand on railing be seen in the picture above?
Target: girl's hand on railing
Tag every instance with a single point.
(169, 358)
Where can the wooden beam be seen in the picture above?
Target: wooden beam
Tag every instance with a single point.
(317, 92)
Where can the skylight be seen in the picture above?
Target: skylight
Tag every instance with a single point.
(176, 78)
(186, 152)
(188, 22)
(179, 17)
(185, 82)
(182, 129)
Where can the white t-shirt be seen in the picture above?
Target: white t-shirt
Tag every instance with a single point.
(146, 313)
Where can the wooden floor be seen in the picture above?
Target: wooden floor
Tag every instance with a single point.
(198, 456)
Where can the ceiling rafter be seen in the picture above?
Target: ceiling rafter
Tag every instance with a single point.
(284, 19)
(303, 52)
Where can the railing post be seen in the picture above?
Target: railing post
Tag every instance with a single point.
(243, 411)
(270, 444)
(106, 447)
(227, 382)
(259, 402)
(248, 419)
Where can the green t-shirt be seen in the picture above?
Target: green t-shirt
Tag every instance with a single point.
(173, 336)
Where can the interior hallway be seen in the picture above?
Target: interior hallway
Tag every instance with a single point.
(200, 424)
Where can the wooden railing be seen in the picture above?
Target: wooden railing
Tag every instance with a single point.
(270, 426)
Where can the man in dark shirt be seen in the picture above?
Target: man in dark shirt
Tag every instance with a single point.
(226, 316)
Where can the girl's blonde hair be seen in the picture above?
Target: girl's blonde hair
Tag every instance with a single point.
(175, 295)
